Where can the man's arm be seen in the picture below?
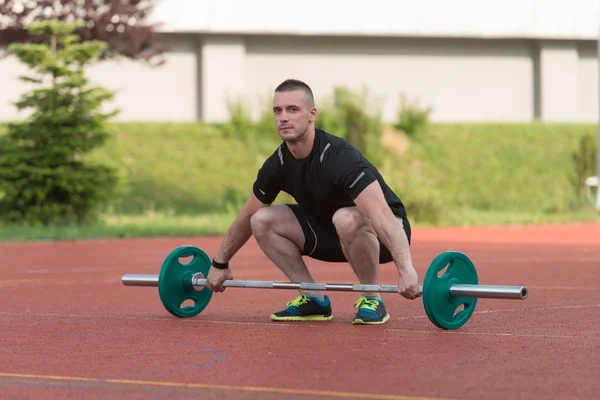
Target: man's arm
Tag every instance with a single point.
(264, 191)
(371, 201)
(240, 231)
(237, 235)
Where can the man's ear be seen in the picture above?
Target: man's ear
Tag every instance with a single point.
(312, 115)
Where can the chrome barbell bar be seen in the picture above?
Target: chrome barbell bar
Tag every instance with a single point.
(457, 290)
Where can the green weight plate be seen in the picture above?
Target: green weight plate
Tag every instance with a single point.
(175, 282)
(439, 306)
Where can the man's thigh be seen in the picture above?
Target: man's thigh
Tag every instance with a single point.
(353, 218)
(281, 220)
(322, 241)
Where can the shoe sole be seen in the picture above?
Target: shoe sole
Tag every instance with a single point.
(358, 321)
(303, 318)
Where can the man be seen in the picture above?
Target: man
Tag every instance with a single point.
(345, 212)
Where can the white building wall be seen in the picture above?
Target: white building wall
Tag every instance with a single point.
(145, 93)
(11, 87)
(462, 80)
(222, 70)
(470, 60)
(559, 70)
(465, 80)
(587, 83)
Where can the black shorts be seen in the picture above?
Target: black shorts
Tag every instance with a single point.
(322, 241)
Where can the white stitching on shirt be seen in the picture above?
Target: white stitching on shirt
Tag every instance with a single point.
(280, 155)
(357, 179)
(324, 150)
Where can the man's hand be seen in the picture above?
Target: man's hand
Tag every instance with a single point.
(408, 284)
(216, 277)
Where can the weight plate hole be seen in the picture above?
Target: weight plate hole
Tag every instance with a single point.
(186, 260)
(188, 303)
(460, 308)
(442, 271)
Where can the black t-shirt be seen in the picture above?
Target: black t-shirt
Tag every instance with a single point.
(329, 178)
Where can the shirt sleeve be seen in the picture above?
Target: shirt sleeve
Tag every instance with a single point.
(350, 172)
(268, 180)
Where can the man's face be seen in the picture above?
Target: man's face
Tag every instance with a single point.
(293, 114)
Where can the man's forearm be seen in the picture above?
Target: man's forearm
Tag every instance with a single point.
(237, 235)
(392, 235)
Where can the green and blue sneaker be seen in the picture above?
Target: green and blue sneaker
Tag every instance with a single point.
(304, 308)
(370, 312)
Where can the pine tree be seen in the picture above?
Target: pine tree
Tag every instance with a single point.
(43, 175)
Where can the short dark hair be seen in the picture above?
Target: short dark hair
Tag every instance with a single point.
(295, 84)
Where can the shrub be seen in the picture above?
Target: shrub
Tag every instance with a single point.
(585, 161)
(412, 118)
(424, 203)
(355, 116)
(240, 125)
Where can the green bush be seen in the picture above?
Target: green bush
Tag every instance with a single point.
(328, 118)
(240, 125)
(585, 161)
(423, 201)
(43, 177)
(412, 118)
(424, 206)
(355, 116)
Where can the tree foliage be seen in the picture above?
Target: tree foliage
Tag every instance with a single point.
(43, 175)
(122, 24)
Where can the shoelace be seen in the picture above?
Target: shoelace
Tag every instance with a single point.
(366, 303)
(298, 301)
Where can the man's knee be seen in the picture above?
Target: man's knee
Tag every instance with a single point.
(262, 221)
(279, 220)
(350, 222)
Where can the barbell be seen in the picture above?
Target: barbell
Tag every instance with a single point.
(450, 287)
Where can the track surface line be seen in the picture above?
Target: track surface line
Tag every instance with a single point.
(272, 324)
(326, 393)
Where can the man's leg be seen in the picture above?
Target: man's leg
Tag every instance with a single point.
(360, 245)
(362, 249)
(281, 237)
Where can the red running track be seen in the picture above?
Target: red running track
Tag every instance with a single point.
(70, 329)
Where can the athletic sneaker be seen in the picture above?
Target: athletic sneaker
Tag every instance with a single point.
(304, 308)
(370, 312)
